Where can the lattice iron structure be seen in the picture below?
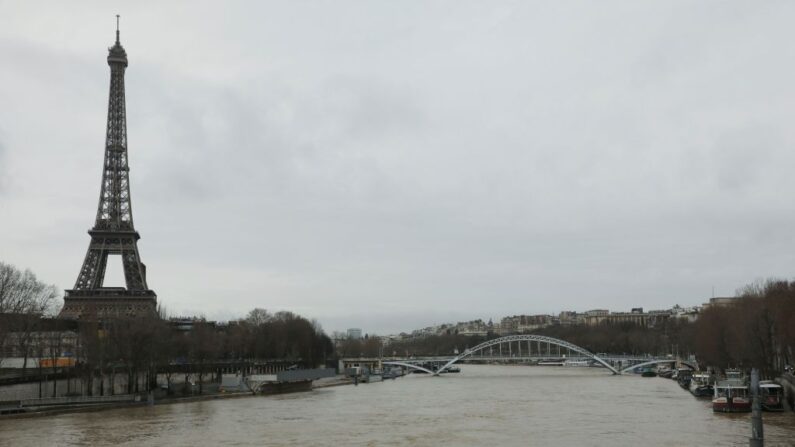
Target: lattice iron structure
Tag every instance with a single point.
(113, 232)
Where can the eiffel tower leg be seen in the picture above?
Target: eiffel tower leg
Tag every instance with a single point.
(93, 271)
(133, 274)
(103, 266)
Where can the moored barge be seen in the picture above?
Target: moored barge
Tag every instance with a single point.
(731, 395)
(701, 385)
(770, 396)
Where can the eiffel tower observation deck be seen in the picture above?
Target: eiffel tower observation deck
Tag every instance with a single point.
(113, 233)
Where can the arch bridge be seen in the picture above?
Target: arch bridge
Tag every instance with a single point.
(530, 338)
(658, 362)
(528, 346)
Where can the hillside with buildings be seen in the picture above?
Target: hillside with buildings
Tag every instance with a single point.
(521, 324)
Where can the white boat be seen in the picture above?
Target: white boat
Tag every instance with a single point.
(731, 394)
(576, 363)
(370, 378)
(551, 363)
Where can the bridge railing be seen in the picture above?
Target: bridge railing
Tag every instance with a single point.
(71, 400)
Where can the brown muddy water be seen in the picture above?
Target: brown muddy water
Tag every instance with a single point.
(484, 405)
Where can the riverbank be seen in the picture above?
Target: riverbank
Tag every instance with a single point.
(87, 408)
(483, 405)
(332, 381)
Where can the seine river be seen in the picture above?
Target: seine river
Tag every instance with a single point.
(481, 406)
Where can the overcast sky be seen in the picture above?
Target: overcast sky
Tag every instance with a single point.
(389, 165)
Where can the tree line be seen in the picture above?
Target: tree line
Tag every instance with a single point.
(23, 299)
(665, 337)
(150, 346)
(142, 346)
(756, 330)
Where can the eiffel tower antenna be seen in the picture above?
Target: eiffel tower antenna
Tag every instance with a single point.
(113, 233)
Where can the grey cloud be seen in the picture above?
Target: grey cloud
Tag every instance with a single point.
(427, 162)
(3, 162)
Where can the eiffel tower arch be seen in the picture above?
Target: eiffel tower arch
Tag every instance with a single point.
(113, 232)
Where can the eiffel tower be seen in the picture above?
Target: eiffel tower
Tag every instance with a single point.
(113, 232)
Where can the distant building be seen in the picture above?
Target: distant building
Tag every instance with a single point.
(636, 316)
(187, 324)
(52, 339)
(56, 343)
(474, 332)
(429, 331)
(721, 301)
(519, 324)
(569, 318)
(689, 314)
(354, 334)
(473, 328)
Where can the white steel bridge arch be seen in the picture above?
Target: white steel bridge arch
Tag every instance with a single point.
(656, 362)
(408, 365)
(531, 338)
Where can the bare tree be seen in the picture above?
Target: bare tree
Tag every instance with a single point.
(23, 300)
(204, 347)
(23, 293)
(53, 339)
(258, 317)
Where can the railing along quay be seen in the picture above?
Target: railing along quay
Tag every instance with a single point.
(72, 400)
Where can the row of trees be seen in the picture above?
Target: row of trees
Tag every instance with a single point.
(757, 331)
(667, 336)
(148, 346)
(283, 335)
(144, 346)
(23, 300)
